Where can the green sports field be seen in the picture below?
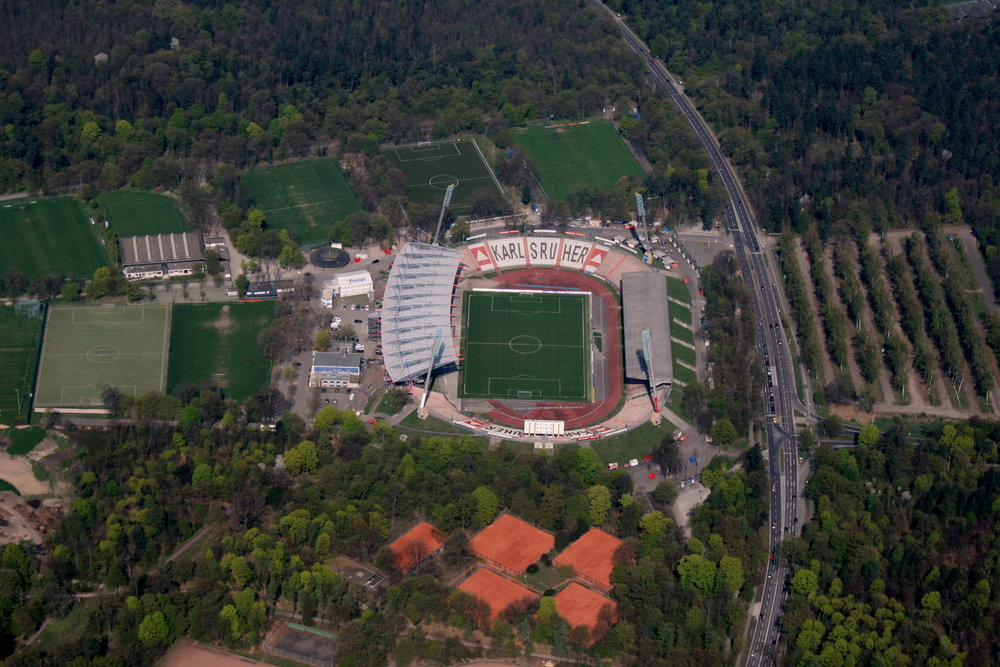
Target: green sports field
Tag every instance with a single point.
(216, 343)
(49, 237)
(590, 153)
(19, 339)
(431, 168)
(305, 198)
(136, 213)
(526, 345)
(87, 347)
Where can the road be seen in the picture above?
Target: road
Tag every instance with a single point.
(780, 399)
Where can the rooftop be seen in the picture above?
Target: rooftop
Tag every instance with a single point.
(161, 248)
(644, 305)
(349, 360)
(592, 557)
(495, 590)
(511, 544)
(415, 545)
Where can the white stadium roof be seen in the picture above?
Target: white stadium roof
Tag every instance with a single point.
(416, 305)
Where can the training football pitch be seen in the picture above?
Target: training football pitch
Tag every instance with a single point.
(85, 348)
(305, 198)
(49, 237)
(566, 155)
(431, 168)
(135, 213)
(19, 338)
(526, 345)
(216, 344)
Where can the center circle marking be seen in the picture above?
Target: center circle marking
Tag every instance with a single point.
(103, 354)
(525, 344)
(442, 181)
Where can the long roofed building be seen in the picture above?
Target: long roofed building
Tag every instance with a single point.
(417, 311)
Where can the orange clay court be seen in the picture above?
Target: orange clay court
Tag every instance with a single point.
(510, 544)
(185, 654)
(581, 606)
(592, 557)
(416, 545)
(497, 591)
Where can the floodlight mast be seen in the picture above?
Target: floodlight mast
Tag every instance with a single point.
(647, 352)
(435, 346)
(444, 207)
(640, 206)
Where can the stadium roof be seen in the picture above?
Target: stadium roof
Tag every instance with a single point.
(416, 545)
(161, 248)
(644, 304)
(581, 606)
(416, 305)
(592, 557)
(511, 544)
(497, 591)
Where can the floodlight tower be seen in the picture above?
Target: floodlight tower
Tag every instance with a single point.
(640, 206)
(647, 352)
(444, 207)
(435, 347)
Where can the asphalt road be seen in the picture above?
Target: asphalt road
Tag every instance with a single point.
(780, 399)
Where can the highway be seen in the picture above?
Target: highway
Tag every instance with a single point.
(780, 399)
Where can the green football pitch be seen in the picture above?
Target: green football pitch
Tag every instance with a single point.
(305, 198)
(19, 339)
(87, 347)
(590, 153)
(49, 237)
(216, 343)
(136, 213)
(430, 168)
(526, 345)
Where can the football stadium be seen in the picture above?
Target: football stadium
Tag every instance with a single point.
(526, 335)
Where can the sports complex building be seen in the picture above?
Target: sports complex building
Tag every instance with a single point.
(526, 335)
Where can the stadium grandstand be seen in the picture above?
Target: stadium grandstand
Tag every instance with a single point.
(417, 311)
(644, 305)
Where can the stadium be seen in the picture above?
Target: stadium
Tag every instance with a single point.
(527, 335)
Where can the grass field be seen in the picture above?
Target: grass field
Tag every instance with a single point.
(217, 343)
(49, 237)
(528, 345)
(305, 198)
(23, 440)
(592, 153)
(20, 337)
(135, 213)
(635, 444)
(432, 168)
(678, 290)
(86, 347)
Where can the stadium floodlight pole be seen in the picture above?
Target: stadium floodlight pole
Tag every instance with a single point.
(640, 206)
(438, 334)
(444, 207)
(647, 351)
(17, 393)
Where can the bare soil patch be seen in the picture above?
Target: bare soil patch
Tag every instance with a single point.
(17, 470)
(190, 655)
(31, 520)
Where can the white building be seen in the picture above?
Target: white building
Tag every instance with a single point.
(326, 299)
(352, 283)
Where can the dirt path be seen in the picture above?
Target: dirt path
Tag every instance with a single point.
(829, 370)
(868, 324)
(179, 551)
(971, 244)
(852, 363)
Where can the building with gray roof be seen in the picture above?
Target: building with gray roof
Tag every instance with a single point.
(644, 306)
(161, 255)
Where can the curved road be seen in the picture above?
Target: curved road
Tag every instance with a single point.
(780, 399)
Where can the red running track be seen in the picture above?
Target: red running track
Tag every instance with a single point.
(575, 416)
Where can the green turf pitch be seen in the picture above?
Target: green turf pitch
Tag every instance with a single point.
(87, 347)
(431, 168)
(216, 343)
(592, 153)
(19, 339)
(49, 237)
(526, 345)
(305, 198)
(135, 213)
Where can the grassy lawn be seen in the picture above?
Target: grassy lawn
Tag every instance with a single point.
(683, 373)
(681, 332)
(546, 577)
(680, 313)
(632, 445)
(674, 404)
(305, 198)
(49, 237)
(683, 353)
(217, 343)
(7, 486)
(568, 155)
(23, 439)
(678, 290)
(20, 338)
(137, 213)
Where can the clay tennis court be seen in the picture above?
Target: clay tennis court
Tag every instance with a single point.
(511, 545)
(416, 545)
(575, 415)
(495, 590)
(190, 655)
(580, 605)
(592, 557)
